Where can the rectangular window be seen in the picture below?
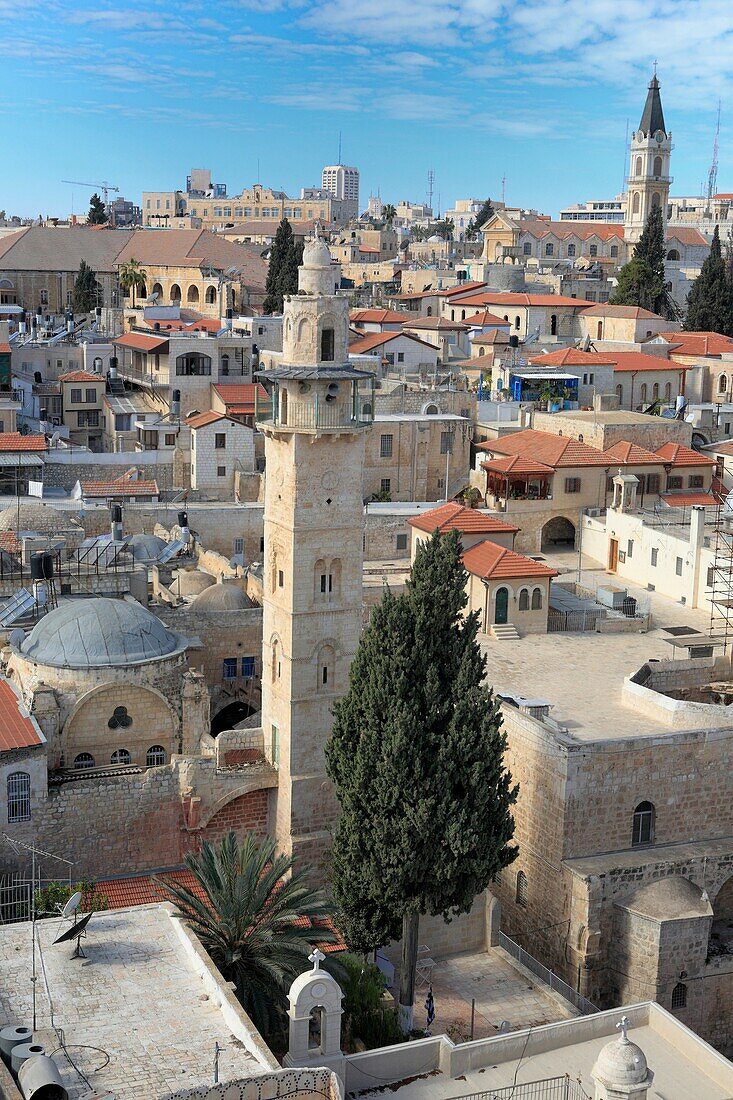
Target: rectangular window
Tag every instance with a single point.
(401, 542)
(385, 446)
(239, 546)
(389, 358)
(446, 443)
(326, 583)
(75, 397)
(248, 666)
(674, 482)
(594, 250)
(400, 356)
(655, 554)
(385, 485)
(90, 395)
(696, 481)
(280, 578)
(630, 549)
(591, 379)
(275, 745)
(230, 668)
(652, 483)
(221, 471)
(220, 441)
(678, 567)
(19, 797)
(572, 484)
(170, 439)
(609, 484)
(89, 419)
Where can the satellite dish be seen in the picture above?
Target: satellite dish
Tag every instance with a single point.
(76, 932)
(72, 905)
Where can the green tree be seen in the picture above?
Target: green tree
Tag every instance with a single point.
(389, 213)
(710, 301)
(443, 228)
(416, 758)
(293, 260)
(641, 280)
(132, 277)
(280, 252)
(245, 908)
(86, 289)
(481, 218)
(97, 211)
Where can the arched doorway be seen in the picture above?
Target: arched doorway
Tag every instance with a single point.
(558, 533)
(229, 716)
(501, 606)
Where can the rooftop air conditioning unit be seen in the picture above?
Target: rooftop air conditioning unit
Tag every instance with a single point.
(56, 421)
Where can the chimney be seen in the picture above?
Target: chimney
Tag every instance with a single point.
(229, 317)
(116, 511)
(176, 404)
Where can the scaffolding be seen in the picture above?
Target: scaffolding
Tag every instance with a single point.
(720, 574)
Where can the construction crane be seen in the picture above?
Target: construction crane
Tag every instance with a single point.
(104, 187)
(713, 173)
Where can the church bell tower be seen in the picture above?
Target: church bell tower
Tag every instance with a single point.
(317, 412)
(649, 180)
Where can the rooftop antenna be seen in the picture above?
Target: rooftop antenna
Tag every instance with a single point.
(626, 157)
(431, 181)
(503, 189)
(713, 173)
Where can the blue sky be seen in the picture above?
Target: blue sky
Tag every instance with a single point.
(538, 90)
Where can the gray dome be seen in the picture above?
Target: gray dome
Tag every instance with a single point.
(669, 898)
(224, 596)
(316, 253)
(37, 517)
(99, 632)
(191, 582)
(145, 547)
(621, 1063)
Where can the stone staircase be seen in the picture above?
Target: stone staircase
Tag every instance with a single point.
(504, 632)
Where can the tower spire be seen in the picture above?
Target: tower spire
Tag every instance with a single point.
(652, 118)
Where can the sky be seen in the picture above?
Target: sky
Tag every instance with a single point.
(538, 92)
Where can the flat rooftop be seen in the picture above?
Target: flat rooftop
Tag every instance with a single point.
(582, 675)
(141, 1014)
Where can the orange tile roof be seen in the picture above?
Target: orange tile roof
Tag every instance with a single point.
(17, 730)
(459, 288)
(140, 342)
(370, 340)
(605, 309)
(486, 317)
(687, 235)
(690, 500)
(557, 451)
(516, 464)
(452, 516)
(630, 454)
(13, 442)
(5, 349)
(678, 455)
(634, 361)
(81, 376)
(120, 488)
(583, 231)
(378, 316)
(438, 324)
(9, 542)
(489, 560)
(699, 343)
(201, 420)
(725, 448)
(495, 336)
(240, 397)
(573, 357)
(502, 298)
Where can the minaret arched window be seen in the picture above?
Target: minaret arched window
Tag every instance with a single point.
(327, 345)
(638, 166)
(657, 166)
(636, 203)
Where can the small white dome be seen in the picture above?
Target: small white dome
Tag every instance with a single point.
(621, 1062)
(316, 253)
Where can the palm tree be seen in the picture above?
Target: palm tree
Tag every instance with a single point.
(389, 213)
(132, 277)
(246, 907)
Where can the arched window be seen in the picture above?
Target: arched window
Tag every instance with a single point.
(19, 797)
(668, 392)
(638, 166)
(657, 166)
(642, 392)
(155, 756)
(517, 321)
(210, 295)
(463, 315)
(599, 330)
(522, 889)
(326, 669)
(431, 410)
(429, 311)
(673, 254)
(655, 391)
(193, 294)
(83, 761)
(636, 203)
(276, 660)
(722, 383)
(175, 293)
(553, 324)
(620, 394)
(120, 756)
(157, 290)
(655, 201)
(571, 250)
(642, 831)
(225, 364)
(679, 996)
(537, 599)
(98, 364)
(481, 351)
(524, 600)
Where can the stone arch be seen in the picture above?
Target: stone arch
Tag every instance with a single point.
(557, 531)
(157, 289)
(723, 904)
(643, 393)
(211, 296)
(240, 811)
(326, 668)
(638, 166)
(523, 603)
(153, 721)
(722, 383)
(673, 254)
(537, 599)
(192, 294)
(175, 294)
(636, 203)
(655, 391)
(657, 170)
(301, 327)
(431, 409)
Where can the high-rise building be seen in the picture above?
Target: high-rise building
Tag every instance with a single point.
(343, 183)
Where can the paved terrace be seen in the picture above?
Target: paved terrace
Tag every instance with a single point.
(144, 996)
(583, 674)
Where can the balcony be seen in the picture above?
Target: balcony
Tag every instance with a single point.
(343, 405)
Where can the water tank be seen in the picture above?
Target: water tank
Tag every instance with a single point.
(183, 519)
(116, 513)
(11, 1036)
(22, 1052)
(513, 341)
(505, 277)
(39, 1079)
(42, 565)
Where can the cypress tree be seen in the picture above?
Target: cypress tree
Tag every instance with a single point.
(641, 280)
(86, 289)
(416, 757)
(97, 211)
(281, 247)
(710, 301)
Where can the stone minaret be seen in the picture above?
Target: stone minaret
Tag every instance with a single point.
(649, 179)
(314, 424)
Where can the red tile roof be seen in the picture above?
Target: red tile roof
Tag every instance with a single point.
(557, 451)
(370, 340)
(633, 361)
(81, 376)
(5, 349)
(605, 309)
(9, 542)
(687, 236)
(516, 464)
(452, 516)
(437, 324)
(240, 396)
(140, 342)
(573, 357)
(501, 298)
(630, 454)
(120, 488)
(690, 500)
(494, 336)
(13, 442)
(17, 729)
(489, 560)
(459, 288)
(201, 420)
(604, 231)
(676, 454)
(377, 316)
(699, 343)
(486, 317)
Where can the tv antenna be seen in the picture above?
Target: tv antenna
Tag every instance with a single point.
(713, 173)
(15, 845)
(431, 182)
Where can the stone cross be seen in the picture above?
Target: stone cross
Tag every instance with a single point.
(317, 957)
(623, 1026)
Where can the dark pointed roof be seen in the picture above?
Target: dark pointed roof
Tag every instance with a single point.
(652, 118)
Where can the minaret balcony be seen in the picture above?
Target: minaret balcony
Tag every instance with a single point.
(315, 400)
(643, 178)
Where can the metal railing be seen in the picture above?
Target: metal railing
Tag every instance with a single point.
(550, 1088)
(574, 622)
(556, 984)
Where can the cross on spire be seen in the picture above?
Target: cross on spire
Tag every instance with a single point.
(623, 1026)
(655, 66)
(316, 957)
